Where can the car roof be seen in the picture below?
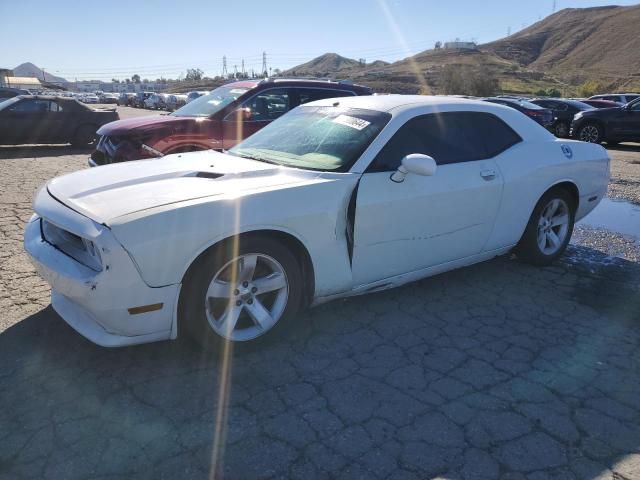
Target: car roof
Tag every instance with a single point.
(48, 97)
(612, 94)
(284, 81)
(387, 103)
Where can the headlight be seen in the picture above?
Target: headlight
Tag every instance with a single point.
(80, 249)
(92, 250)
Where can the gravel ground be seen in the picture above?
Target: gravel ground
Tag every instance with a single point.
(625, 172)
(610, 243)
(496, 371)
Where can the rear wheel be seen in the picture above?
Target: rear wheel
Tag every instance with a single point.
(85, 135)
(591, 133)
(240, 294)
(549, 229)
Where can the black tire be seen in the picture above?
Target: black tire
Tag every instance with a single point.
(192, 313)
(561, 129)
(529, 249)
(85, 135)
(591, 132)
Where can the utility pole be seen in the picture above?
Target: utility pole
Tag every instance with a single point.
(235, 71)
(224, 67)
(44, 79)
(264, 63)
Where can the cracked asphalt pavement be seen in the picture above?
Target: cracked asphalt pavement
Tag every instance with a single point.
(496, 371)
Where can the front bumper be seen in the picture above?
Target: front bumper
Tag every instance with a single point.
(96, 304)
(112, 149)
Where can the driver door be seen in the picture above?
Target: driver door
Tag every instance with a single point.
(426, 221)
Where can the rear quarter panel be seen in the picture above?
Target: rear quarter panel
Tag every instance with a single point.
(535, 167)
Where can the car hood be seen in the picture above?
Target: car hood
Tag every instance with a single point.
(143, 124)
(600, 112)
(106, 193)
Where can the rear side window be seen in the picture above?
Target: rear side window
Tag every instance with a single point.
(451, 137)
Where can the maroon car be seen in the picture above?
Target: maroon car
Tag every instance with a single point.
(219, 120)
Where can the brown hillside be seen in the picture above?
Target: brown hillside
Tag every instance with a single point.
(601, 41)
(324, 66)
(559, 52)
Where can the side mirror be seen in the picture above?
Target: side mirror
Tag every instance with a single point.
(416, 163)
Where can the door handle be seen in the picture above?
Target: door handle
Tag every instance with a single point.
(488, 174)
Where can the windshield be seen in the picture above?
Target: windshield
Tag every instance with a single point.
(315, 138)
(211, 103)
(6, 103)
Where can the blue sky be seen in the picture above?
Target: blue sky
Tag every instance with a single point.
(116, 38)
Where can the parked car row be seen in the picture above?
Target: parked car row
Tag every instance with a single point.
(601, 118)
(223, 117)
(159, 101)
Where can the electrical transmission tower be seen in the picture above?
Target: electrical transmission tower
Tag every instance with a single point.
(242, 69)
(224, 67)
(264, 63)
(554, 6)
(508, 31)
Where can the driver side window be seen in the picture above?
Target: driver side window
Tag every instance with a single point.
(268, 105)
(450, 137)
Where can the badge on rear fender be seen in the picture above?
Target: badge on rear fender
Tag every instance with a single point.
(567, 151)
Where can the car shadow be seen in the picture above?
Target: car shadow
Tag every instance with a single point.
(508, 358)
(624, 147)
(33, 151)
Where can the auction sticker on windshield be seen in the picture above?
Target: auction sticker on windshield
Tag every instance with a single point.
(352, 122)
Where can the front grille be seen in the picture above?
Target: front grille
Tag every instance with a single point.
(78, 248)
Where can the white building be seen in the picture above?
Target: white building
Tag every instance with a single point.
(21, 82)
(458, 45)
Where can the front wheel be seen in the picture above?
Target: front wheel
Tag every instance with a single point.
(591, 133)
(549, 229)
(240, 292)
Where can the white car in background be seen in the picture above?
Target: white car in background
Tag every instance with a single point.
(339, 197)
(89, 98)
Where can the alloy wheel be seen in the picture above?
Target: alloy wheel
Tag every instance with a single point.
(553, 226)
(589, 133)
(247, 297)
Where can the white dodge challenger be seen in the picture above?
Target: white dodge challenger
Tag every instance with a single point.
(339, 197)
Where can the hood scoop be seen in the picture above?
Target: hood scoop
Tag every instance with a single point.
(210, 175)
